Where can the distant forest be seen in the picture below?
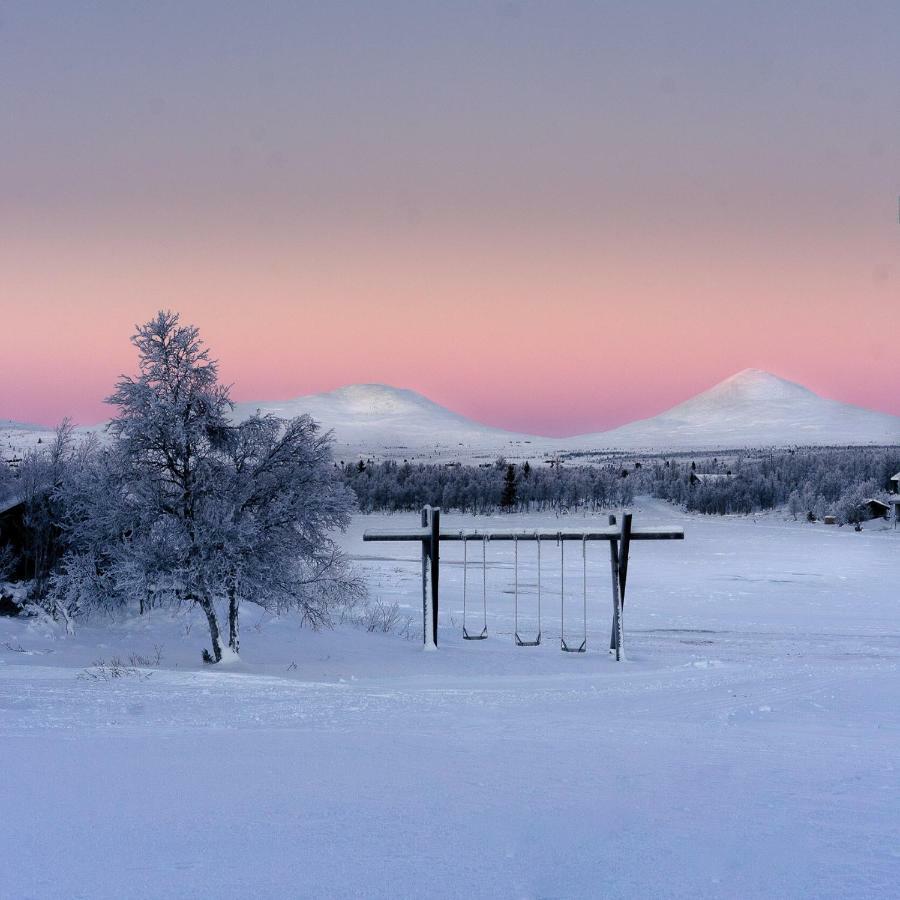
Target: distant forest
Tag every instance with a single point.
(809, 483)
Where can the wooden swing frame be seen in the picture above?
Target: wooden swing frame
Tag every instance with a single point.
(430, 536)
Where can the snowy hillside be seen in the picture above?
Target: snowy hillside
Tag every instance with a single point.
(752, 409)
(383, 420)
(17, 438)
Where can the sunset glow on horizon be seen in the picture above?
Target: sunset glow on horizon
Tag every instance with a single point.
(552, 218)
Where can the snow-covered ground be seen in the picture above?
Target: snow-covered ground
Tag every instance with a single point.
(749, 747)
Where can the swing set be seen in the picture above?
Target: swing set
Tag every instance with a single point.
(430, 535)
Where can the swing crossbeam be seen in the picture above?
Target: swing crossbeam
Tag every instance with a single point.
(430, 535)
(541, 534)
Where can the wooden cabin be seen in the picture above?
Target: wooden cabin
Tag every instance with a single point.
(874, 509)
(709, 477)
(12, 527)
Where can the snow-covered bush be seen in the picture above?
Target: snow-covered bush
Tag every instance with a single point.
(112, 670)
(383, 617)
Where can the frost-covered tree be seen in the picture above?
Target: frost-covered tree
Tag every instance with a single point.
(117, 549)
(42, 471)
(282, 503)
(510, 484)
(185, 506)
(7, 490)
(803, 481)
(7, 478)
(170, 420)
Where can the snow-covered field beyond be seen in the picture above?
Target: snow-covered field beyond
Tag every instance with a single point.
(749, 747)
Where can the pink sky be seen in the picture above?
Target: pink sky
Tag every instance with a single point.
(579, 335)
(554, 221)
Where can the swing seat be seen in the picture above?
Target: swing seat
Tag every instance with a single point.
(535, 643)
(517, 637)
(581, 648)
(563, 645)
(475, 637)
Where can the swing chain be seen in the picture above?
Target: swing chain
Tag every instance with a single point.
(483, 633)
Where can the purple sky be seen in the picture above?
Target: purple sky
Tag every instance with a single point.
(553, 217)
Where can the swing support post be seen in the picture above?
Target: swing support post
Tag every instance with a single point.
(618, 560)
(431, 573)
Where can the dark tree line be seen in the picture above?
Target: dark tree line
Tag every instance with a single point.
(809, 482)
(394, 486)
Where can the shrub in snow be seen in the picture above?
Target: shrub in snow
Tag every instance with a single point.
(101, 670)
(383, 617)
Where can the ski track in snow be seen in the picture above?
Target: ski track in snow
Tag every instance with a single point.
(749, 746)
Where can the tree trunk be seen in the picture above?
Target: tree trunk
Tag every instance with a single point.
(207, 607)
(234, 637)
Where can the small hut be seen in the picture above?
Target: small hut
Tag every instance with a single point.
(874, 509)
(709, 477)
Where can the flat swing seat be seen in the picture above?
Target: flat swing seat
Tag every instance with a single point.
(535, 643)
(581, 648)
(520, 641)
(563, 644)
(475, 635)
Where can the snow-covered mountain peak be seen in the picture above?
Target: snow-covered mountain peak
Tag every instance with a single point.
(754, 408)
(368, 405)
(747, 388)
(377, 419)
(379, 399)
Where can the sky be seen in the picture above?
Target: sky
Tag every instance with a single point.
(551, 217)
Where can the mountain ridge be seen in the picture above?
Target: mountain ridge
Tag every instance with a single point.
(752, 408)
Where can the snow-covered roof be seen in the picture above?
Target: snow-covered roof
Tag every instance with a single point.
(8, 501)
(895, 477)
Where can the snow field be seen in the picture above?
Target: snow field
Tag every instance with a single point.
(747, 748)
